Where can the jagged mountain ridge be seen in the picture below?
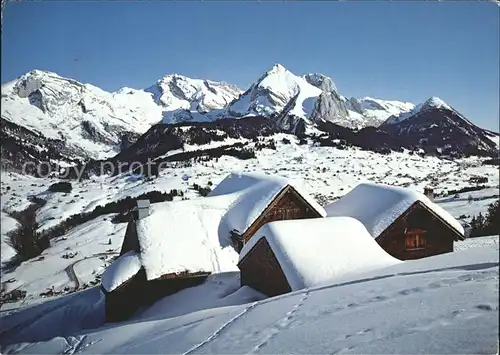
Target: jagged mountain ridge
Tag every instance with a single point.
(436, 124)
(90, 123)
(184, 99)
(313, 97)
(374, 112)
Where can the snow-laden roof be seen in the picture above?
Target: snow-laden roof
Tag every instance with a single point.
(377, 206)
(183, 236)
(120, 271)
(317, 251)
(250, 194)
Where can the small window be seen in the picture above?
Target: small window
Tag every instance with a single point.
(414, 239)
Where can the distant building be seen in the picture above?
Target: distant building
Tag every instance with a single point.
(478, 180)
(407, 224)
(285, 256)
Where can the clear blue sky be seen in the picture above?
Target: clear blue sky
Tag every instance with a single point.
(391, 50)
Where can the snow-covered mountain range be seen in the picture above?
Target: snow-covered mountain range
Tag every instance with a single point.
(436, 123)
(185, 99)
(83, 121)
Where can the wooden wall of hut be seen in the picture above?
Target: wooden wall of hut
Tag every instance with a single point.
(417, 234)
(261, 271)
(127, 299)
(138, 292)
(287, 205)
(170, 284)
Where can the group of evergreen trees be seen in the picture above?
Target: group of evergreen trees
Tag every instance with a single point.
(488, 224)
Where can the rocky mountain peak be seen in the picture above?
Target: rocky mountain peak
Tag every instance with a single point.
(321, 81)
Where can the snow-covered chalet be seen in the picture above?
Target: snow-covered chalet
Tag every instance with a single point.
(174, 245)
(285, 256)
(405, 223)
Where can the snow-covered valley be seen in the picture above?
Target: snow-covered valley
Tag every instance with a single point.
(328, 172)
(230, 319)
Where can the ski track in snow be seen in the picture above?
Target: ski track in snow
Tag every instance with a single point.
(281, 324)
(74, 344)
(290, 319)
(70, 269)
(368, 335)
(221, 329)
(479, 277)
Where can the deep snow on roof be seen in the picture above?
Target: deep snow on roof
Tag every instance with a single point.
(250, 194)
(120, 271)
(317, 251)
(183, 236)
(377, 206)
(194, 235)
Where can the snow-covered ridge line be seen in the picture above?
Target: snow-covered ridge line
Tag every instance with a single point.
(431, 103)
(92, 121)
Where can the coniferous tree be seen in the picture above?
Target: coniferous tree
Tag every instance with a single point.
(492, 220)
(480, 222)
(473, 226)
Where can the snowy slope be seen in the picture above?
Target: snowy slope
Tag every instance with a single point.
(494, 137)
(8, 224)
(328, 173)
(90, 120)
(442, 304)
(185, 99)
(429, 104)
(343, 170)
(374, 112)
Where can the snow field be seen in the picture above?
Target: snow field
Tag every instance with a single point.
(442, 304)
(328, 174)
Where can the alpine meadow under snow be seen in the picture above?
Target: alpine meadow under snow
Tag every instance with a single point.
(451, 300)
(226, 154)
(446, 304)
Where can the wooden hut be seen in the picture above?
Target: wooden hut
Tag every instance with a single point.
(127, 287)
(180, 243)
(123, 285)
(174, 246)
(257, 199)
(404, 222)
(290, 255)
